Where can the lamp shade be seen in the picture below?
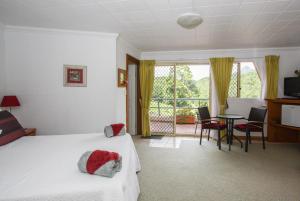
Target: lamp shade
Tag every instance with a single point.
(10, 101)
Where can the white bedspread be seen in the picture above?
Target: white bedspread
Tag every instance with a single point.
(44, 168)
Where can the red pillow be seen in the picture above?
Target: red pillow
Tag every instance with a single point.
(11, 128)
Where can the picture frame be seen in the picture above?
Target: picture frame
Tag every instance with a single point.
(75, 75)
(122, 78)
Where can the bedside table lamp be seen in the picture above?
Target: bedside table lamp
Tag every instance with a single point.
(10, 101)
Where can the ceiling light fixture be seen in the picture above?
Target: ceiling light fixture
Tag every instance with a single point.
(189, 20)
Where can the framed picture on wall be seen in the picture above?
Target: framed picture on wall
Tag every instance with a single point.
(75, 76)
(122, 80)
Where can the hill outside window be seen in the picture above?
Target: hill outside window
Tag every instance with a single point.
(245, 81)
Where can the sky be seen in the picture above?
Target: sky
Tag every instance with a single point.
(199, 71)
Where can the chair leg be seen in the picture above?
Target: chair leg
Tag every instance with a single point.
(247, 140)
(250, 140)
(196, 128)
(227, 136)
(227, 131)
(217, 142)
(219, 139)
(263, 139)
(208, 136)
(201, 136)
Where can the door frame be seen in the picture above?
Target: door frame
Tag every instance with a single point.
(132, 60)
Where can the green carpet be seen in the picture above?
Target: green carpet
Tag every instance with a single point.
(178, 169)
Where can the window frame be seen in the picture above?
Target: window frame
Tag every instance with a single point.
(238, 77)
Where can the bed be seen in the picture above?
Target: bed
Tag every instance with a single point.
(44, 168)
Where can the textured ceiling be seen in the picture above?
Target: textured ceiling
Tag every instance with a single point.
(151, 24)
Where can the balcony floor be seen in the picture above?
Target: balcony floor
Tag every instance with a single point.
(167, 127)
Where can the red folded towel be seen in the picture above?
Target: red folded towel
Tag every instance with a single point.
(117, 128)
(98, 158)
(114, 130)
(100, 162)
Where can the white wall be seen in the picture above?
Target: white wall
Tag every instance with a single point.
(242, 107)
(2, 62)
(123, 48)
(289, 61)
(34, 72)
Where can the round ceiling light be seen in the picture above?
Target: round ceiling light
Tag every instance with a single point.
(189, 20)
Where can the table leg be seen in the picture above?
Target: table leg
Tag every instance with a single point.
(230, 122)
(233, 136)
(231, 128)
(227, 131)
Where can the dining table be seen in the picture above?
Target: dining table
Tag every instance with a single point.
(229, 120)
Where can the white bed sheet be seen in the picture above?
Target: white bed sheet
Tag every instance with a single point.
(44, 168)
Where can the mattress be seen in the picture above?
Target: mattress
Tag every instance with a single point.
(44, 168)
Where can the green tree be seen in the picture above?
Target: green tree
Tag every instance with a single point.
(203, 86)
(250, 85)
(185, 86)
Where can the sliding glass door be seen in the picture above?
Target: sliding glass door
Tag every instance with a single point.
(178, 91)
(162, 107)
(192, 91)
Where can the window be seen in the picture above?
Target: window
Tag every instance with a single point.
(245, 82)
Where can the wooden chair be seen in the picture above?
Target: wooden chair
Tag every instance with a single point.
(255, 123)
(210, 123)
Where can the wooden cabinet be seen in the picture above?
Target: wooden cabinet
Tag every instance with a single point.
(276, 131)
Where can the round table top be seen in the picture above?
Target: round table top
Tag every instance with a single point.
(230, 116)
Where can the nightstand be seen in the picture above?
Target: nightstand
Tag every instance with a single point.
(30, 131)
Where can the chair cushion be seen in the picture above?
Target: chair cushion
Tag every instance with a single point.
(11, 128)
(214, 126)
(243, 127)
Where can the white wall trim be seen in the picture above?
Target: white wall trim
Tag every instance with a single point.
(9, 28)
(227, 50)
(205, 54)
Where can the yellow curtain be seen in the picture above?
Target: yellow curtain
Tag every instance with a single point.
(146, 85)
(221, 69)
(272, 73)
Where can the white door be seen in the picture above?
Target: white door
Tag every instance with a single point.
(132, 98)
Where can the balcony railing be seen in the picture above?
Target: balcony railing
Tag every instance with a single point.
(163, 106)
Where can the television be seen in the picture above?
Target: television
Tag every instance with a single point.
(292, 86)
